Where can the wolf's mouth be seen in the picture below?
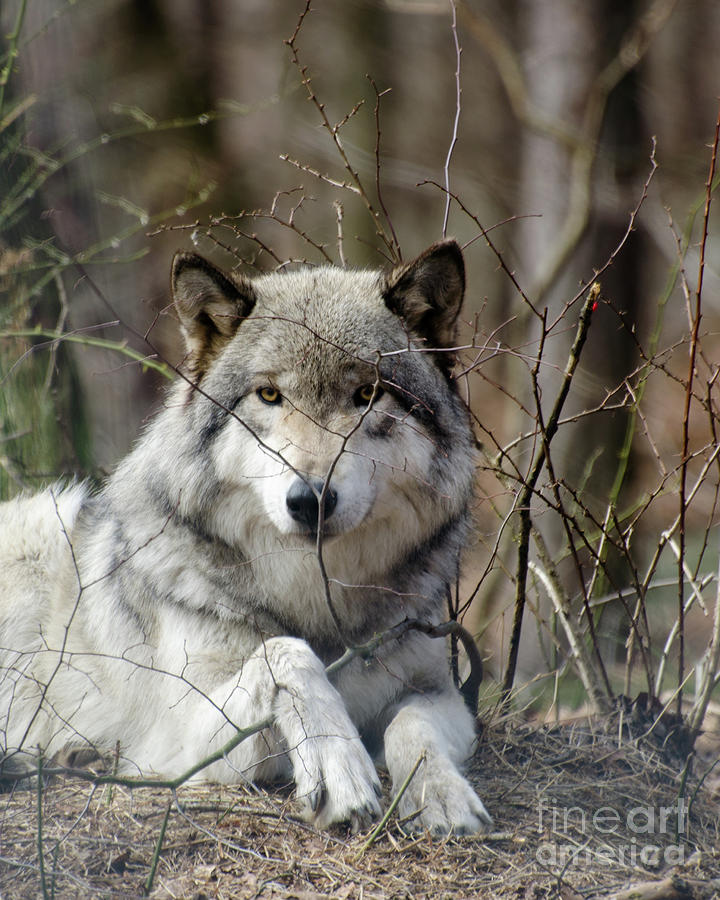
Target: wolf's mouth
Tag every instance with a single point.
(312, 535)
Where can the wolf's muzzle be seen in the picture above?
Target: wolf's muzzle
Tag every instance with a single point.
(302, 501)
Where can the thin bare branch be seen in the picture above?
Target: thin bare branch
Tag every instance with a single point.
(693, 351)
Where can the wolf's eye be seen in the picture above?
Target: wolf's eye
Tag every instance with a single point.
(363, 395)
(269, 395)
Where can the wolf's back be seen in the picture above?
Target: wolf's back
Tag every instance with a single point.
(34, 539)
(35, 559)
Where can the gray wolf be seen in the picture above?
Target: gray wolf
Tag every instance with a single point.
(316, 428)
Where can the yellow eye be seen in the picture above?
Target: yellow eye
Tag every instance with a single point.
(269, 395)
(365, 394)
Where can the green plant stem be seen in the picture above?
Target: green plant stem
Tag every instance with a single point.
(158, 850)
(393, 806)
(41, 858)
(87, 341)
(13, 39)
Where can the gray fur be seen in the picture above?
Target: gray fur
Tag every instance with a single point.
(185, 599)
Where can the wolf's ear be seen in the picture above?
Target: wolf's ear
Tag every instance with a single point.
(210, 307)
(428, 293)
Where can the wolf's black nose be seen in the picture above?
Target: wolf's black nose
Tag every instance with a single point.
(302, 501)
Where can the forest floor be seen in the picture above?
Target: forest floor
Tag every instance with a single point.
(588, 809)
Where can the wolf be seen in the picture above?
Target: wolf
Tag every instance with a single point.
(304, 488)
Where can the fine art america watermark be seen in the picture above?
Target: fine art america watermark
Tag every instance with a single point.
(647, 837)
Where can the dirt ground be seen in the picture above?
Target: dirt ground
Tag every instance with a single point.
(587, 809)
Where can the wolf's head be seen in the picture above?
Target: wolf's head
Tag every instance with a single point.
(325, 398)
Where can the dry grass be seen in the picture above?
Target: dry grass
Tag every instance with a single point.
(236, 843)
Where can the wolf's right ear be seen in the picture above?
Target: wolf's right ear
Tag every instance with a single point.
(427, 294)
(210, 307)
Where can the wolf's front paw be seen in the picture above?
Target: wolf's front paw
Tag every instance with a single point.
(336, 782)
(441, 800)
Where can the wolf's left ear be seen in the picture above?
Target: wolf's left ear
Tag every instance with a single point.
(428, 293)
(210, 307)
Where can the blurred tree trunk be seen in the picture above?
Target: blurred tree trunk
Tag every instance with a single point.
(584, 198)
(559, 55)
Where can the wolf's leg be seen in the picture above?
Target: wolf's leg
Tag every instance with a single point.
(440, 727)
(334, 776)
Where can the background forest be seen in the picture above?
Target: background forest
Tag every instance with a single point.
(571, 147)
(559, 140)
